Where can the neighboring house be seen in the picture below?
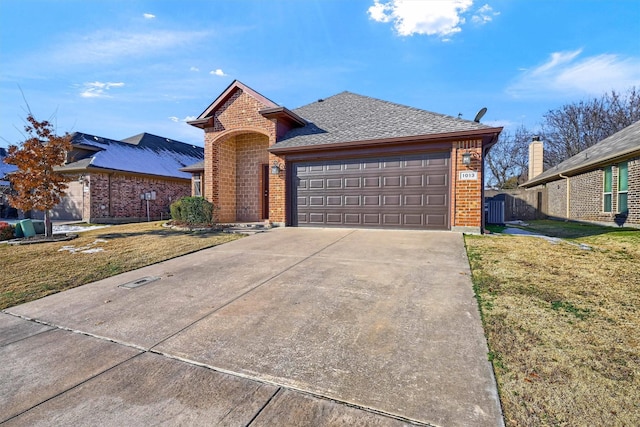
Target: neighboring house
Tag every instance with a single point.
(600, 184)
(4, 185)
(112, 179)
(344, 161)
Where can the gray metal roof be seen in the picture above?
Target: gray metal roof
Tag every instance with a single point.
(348, 117)
(619, 145)
(143, 153)
(5, 168)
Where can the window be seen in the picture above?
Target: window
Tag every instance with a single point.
(607, 189)
(197, 185)
(623, 185)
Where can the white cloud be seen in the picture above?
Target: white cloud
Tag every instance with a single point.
(148, 16)
(186, 119)
(98, 89)
(567, 73)
(194, 69)
(108, 46)
(434, 17)
(217, 72)
(484, 15)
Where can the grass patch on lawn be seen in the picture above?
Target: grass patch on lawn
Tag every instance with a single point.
(29, 272)
(562, 323)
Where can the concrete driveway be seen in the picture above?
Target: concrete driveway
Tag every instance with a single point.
(290, 327)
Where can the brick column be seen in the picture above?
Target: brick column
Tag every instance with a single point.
(467, 206)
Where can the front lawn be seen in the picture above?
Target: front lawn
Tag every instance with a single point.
(30, 272)
(562, 323)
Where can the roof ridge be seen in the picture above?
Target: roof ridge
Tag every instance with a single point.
(396, 104)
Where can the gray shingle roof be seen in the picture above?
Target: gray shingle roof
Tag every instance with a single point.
(348, 117)
(620, 144)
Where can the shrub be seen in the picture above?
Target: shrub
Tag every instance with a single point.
(176, 210)
(192, 210)
(6, 231)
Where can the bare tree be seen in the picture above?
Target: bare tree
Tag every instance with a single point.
(574, 127)
(507, 160)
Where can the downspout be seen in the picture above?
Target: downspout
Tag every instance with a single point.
(568, 191)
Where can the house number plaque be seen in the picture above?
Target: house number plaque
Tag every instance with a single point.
(468, 175)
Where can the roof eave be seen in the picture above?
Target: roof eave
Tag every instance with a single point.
(582, 168)
(191, 169)
(200, 123)
(283, 113)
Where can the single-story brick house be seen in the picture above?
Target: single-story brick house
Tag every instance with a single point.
(600, 184)
(344, 161)
(4, 183)
(111, 179)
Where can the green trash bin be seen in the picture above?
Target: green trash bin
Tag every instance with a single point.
(27, 228)
(17, 231)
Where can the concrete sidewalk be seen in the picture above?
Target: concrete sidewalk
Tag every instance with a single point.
(290, 327)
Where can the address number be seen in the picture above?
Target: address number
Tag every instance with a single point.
(468, 175)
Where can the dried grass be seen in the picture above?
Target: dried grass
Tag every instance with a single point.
(33, 271)
(562, 326)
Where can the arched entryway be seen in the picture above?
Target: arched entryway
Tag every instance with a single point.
(242, 175)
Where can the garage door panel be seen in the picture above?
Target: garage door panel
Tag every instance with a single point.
(372, 182)
(352, 219)
(334, 183)
(408, 191)
(391, 181)
(413, 181)
(352, 182)
(436, 200)
(413, 219)
(334, 218)
(334, 201)
(413, 200)
(371, 219)
(440, 179)
(437, 220)
(416, 163)
(391, 200)
(392, 164)
(392, 219)
(369, 165)
(371, 200)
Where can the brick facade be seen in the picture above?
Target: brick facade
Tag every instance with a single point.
(467, 205)
(235, 152)
(116, 197)
(586, 196)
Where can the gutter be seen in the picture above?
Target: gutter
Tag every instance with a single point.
(568, 192)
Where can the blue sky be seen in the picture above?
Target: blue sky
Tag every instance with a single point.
(119, 68)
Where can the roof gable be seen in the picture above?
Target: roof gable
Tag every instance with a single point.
(236, 85)
(623, 143)
(349, 117)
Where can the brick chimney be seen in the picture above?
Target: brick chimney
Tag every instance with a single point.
(535, 157)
